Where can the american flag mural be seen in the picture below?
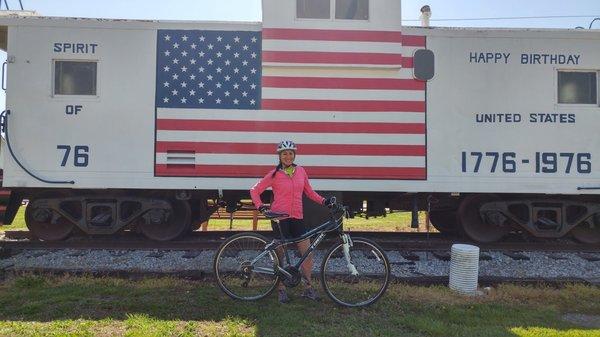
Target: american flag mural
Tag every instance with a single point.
(224, 100)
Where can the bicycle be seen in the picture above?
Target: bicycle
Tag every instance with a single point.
(355, 272)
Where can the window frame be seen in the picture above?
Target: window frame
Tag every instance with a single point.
(332, 18)
(577, 105)
(53, 79)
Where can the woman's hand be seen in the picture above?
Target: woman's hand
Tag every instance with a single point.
(263, 208)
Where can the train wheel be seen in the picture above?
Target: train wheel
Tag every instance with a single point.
(46, 224)
(444, 221)
(587, 232)
(477, 227)
(165, 225)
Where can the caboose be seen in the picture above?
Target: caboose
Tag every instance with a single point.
(141, 125)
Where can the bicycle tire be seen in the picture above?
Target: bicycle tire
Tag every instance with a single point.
(231, 256)
(337, 279)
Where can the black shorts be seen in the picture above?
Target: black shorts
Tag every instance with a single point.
(290, 227)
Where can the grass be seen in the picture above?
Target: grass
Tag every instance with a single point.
(85, 306)
(392, 222)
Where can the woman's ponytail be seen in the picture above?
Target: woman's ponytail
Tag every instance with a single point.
(279, 167)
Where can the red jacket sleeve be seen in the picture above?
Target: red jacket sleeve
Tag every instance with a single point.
(310, 193)
(260, 187)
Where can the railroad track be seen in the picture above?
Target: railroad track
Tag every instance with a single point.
(211, 240)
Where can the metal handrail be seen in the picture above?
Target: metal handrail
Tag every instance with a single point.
(4, 128)
(8, 7)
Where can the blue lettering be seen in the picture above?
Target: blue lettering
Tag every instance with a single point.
(75, 48)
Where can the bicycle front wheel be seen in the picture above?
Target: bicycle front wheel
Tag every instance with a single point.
(244, 269)
(357, 277)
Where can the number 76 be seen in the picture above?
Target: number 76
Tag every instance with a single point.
(80, 157)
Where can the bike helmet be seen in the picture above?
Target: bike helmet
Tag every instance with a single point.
(286, 145)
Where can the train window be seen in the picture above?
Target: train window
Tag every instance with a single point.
(313, 9)
(352, 9)
(75, 77)
(577, 87)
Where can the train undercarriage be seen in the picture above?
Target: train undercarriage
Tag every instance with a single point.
(165, 215)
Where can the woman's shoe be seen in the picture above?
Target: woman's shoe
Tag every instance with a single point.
(311, 294)
(283, 297)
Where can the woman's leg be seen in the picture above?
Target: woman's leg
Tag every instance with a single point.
(307, 265)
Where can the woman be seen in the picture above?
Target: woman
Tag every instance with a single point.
(289, 181)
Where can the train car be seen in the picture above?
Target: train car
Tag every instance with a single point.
(118, 124)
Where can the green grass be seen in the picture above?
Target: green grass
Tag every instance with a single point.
(399, 221)
(82, 306)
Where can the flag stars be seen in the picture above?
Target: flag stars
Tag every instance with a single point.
(252, 102)
(219, 38)
(254, 39)
(218, 101)
(166, 100)
(175, 61)
(253, 55)
(201, 84)
(192, 92)
(209, 93)
(236, 55)
(227, 62)
(166, 68)
(219, 85)
(175, 92)
(184, 69)
(227, 93)
(219, 54)
(192, 77)
(193, 61)
(253, 70)
(202, 38)
(184, 100)
(245, 78)
(210, 46)
(209, 77)
(166, 84)
(184, 38)
(236, 39)
(245, 47)
(183, 84)
(236, 86)
(167, 53)
(245, 63)
(175, 76)
(253, 86)
(227, 78)
(236, 101)
(176, 45)
(245, 94)
(201, 54)
(227, 47)
(210, 62)
(236, 70)
(184, 53)
(219, 70)
(167, 38)
(194, 46)
(201, 100)
(201, 69)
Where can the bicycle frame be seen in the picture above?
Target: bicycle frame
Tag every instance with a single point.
(320, 232)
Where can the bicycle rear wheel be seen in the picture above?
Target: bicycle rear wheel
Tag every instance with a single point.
(243, 269)
(362, 280)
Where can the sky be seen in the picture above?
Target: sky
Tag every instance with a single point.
(250, 10)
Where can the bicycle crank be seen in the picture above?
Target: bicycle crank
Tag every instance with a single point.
(293, 280)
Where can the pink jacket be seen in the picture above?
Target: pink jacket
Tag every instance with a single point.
(287, 192)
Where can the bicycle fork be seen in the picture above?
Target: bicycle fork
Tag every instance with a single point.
(346, 248)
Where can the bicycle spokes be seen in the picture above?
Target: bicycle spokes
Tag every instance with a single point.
(355, 272)
(244, 270)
